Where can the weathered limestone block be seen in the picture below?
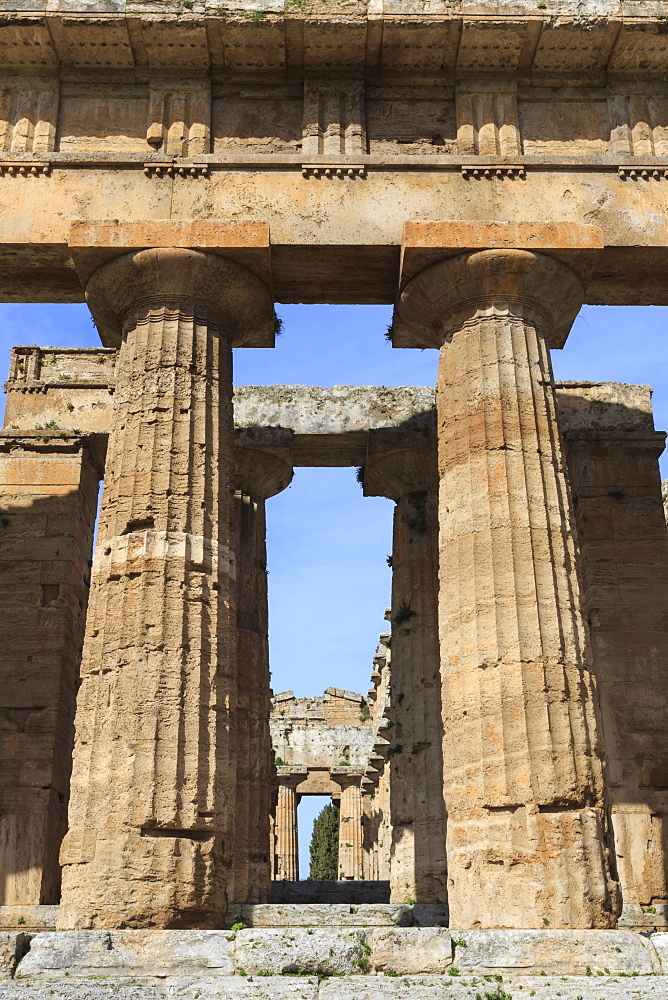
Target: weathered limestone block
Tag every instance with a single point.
(338, 915)
(13, 945)
(529, 837)
(263, 467)
(152, 805)
(613, 451)
(312, 951)
(459, 988)
(402, 465)
(556, 952)
(412, 950)
(48, 501)
(34, 918)
(86, 954)
(170, 988)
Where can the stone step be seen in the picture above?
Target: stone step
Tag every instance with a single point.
(380, 952)
(338, 915)
(353, 891)
(28, 918)
(346, 988)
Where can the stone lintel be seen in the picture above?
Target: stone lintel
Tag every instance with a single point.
(330, 425)
(94, 243)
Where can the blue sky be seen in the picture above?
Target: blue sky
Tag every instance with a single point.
(327, 545)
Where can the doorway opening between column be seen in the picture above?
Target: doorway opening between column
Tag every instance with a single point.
(329, 583)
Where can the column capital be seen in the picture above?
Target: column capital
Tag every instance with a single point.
(289, 776)
(399, 462)
(531, 286)
(346, 777)
(223, 292)
(263, 460)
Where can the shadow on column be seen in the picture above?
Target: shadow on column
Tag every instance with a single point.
(48, 506)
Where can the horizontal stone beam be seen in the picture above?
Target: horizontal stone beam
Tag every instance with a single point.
(54, 392)
(349, 250)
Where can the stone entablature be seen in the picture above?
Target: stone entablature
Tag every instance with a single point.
(315, 737)
(73, 387)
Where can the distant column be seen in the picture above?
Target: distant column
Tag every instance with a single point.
(351, 839)
(286, 856)
(48, 503)
(613, 452)
(529, 838)
(263, 467)
(402, 465)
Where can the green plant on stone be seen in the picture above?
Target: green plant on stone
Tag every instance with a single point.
(238, 927)
(453, 971)
(403, 614)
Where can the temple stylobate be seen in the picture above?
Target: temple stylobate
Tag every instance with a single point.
(487, 169)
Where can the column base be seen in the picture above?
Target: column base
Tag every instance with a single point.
(522, 868)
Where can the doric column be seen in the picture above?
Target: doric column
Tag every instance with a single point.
(402, 465)
(351, 839)
(529, 841)
(263, 467)
(286, 849)
(152, 803)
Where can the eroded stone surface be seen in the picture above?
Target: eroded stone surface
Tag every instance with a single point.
(299, 950)
(83, 954)
(13, 944)
(559, 952)
(408, 950)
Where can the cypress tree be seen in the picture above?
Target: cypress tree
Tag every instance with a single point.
(325, 846)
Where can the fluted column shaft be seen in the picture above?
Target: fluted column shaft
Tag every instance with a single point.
(528, 830)
(151, 809)
(402, 465)
(351, 843)
(285, 832)
(417, 866)
(251, 872)
(263, 467)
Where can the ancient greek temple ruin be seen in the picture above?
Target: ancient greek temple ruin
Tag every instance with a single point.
(487, 168)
